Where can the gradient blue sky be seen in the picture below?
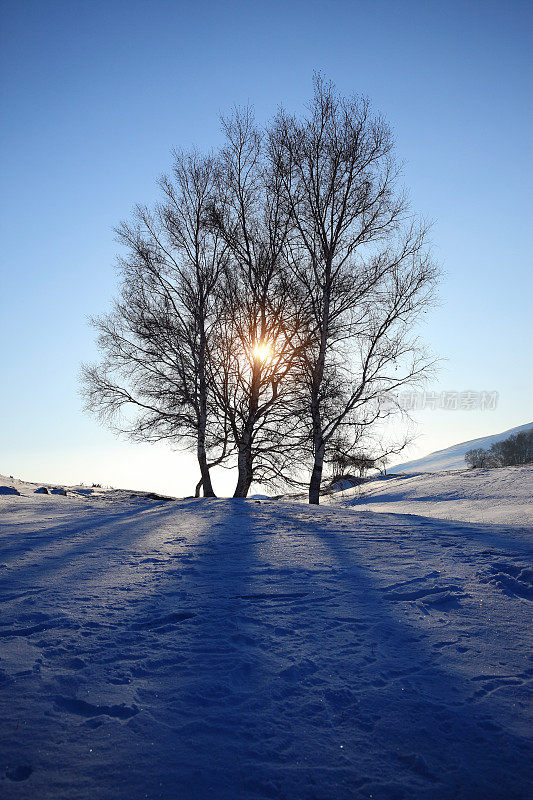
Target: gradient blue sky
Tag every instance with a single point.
(95, 95)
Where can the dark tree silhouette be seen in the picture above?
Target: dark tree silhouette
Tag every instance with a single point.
(268, 301)
(156, 343)
(359, 259)
(517, 449)
(256, 359)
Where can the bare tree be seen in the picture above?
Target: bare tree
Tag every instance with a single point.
(479, 458)
(268, 301)
(157, 341)
(517, 449)
(362, 450)
(360, 262)
(256, 358)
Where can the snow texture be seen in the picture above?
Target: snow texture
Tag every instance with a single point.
(256, 649)
(454, 457)
(502, 495)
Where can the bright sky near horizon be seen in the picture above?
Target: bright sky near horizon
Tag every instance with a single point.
(96, 94)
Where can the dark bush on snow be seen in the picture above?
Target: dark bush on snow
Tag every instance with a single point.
(511, 452)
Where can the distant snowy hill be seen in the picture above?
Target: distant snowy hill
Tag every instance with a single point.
(454, 457)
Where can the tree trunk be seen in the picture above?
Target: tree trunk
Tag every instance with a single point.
(316, 414)
(244, 463)
(198, 487)
(202, 458)
(202, 414)
(319, 446)
(245, 457)
(204, 470)
(316, 477)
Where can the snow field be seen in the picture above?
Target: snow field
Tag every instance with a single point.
(503, 495)
(244, 649)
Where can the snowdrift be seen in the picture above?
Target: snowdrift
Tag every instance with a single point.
(503, 495)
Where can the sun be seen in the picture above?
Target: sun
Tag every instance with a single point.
(261, 351)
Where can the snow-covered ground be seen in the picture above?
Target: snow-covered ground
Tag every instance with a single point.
(503, 495)
(454, 457)
(234, 649)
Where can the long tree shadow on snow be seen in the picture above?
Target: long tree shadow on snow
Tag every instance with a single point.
(256, 656)
(204, 657)
(169, 644)
(302, 679)
(410, 703)
(61, 546)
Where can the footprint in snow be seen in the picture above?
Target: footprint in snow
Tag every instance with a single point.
(75, 663)
(514, 580)
(431, 596)
(84, 709)
(491, 683)
(19, 773)
(401, 584)
(47, 624)
(340, 700)
(300, 671)
(272, 596)
(160, 622)
(416, 763)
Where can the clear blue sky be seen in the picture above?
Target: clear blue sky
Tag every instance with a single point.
(96, 94)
